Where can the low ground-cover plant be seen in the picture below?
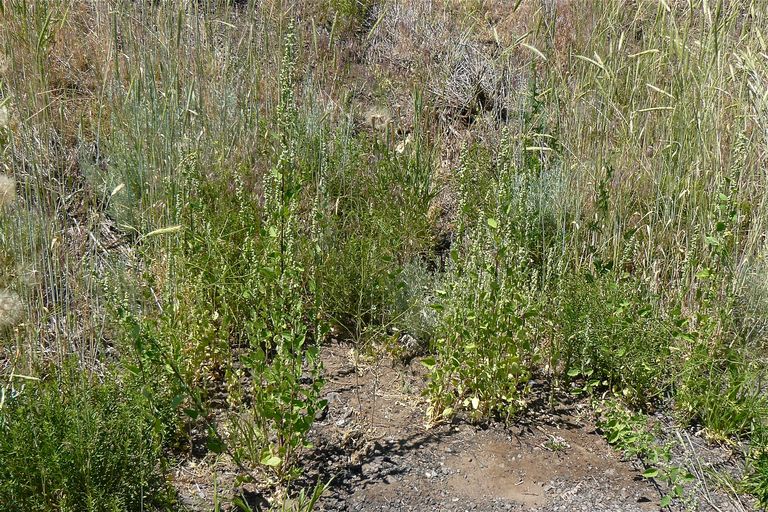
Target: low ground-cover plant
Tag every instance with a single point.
(71, 442)
(482, 350)
(756, 479)
(634, 435)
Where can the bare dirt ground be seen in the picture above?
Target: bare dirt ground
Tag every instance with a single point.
(372, 443)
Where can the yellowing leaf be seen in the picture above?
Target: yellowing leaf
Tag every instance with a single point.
(271, 461)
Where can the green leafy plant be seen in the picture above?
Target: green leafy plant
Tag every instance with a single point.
(610, 334)
(70, 442)
(632, 434)
(374, 236)
(756, 479)
(480, 363)
(282, 361)
(483, 348)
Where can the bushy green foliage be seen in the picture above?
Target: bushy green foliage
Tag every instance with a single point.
(721, 390)
(756, 482)
(486, 327)
(70, 442)
(609, 332)
(376, 227)
(483, 344)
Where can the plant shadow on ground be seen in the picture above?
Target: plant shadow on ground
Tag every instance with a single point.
(374, 448)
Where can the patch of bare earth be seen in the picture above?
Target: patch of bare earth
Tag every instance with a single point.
(374, 443)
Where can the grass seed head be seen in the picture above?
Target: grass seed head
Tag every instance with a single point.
(11, 308)
(7, 190)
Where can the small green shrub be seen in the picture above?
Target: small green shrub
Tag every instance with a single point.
(610, 332)
(70, 443)
(480, 364)
(721, 391)
(756, 481)
(483, 351)
(283, 364)
(374, 224)
(486, 344)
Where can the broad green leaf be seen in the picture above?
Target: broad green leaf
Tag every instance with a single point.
(271, 461)
(215, 444)
(651, 473)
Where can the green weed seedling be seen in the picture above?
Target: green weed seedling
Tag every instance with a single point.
(756, 479)
(631, 434)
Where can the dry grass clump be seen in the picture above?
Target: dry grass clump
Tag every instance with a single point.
(410, 36)
(63, 50)
(434, 43)
(478, 81)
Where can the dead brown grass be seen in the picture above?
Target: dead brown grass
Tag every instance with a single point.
(68, 57)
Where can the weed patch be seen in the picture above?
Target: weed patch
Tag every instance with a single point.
(70, 442)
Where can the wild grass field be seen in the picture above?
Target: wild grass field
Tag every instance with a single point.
(196, 196)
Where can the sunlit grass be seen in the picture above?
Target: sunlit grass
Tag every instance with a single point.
(174, 197)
